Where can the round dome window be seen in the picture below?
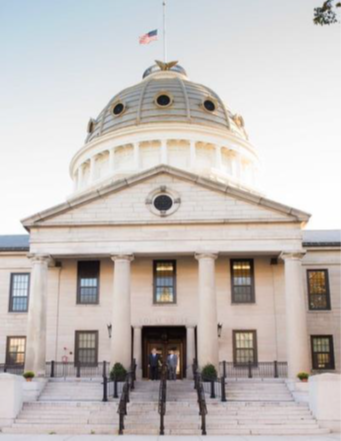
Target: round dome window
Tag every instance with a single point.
(163, 202)
(163, 100)
(209, 105)
(118, 108)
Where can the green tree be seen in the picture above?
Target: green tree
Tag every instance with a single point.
(327, 13)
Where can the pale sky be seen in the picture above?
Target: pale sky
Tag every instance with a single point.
(61, 62)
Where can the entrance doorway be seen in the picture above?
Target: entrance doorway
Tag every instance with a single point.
(164, 339)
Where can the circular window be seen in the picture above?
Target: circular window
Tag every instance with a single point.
(118, 109)
(209, 105)
(163, 202)
(163, 100)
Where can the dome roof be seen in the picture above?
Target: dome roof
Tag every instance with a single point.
(187, 102)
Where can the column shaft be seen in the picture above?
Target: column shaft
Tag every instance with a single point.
(207, 323)
(35, 358)
(296, 320)
(190, 345)
(138, 351)
(121, 318)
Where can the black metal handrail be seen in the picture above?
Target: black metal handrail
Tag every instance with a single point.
(201, 396)
(15, 369)
(271, 369)
(128, 385)
(163, 398)
(60, 369)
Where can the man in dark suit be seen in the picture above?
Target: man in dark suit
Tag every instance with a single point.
(153, 363)
(172, 363)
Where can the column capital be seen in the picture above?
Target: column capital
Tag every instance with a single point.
(127, 256)
(206, 255)
(292, 255)
(40, 258)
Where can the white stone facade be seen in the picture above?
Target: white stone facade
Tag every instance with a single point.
(217, 215)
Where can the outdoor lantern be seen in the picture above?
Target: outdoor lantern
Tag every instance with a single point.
(109, 329)
(219, 328)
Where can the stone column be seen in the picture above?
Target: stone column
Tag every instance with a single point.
(207, 323)
(190, 345)
(111, 159)
(35, 357)
(80, 177)
(92, 169)
(136, 156)
(164, 152)
(296, 319)
(138, 350)
(121, 319)
(218, 157)
(192, 154)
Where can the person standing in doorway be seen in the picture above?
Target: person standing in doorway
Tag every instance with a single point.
(153, 363)
(172, 362)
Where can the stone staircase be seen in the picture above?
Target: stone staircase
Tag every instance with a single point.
(253, 408)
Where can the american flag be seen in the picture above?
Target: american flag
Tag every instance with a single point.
(148, 38)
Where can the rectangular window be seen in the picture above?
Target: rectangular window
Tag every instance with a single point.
(19, 291)
(318, 290)
(86, 351)
(322, 352)
(245, 347)
(15, 351)
(88, 282)
(164, 281)
(242, 280)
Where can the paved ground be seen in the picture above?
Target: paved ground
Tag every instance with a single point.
(5, 437)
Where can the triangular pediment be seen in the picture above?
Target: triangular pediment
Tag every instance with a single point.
(200, 200)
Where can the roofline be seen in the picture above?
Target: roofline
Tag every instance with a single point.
(134, 179)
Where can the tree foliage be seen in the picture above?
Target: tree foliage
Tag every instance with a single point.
(327, 13)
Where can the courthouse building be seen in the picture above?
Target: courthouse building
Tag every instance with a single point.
(167, 241)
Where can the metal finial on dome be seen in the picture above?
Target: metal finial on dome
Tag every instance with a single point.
(173, 66)
(166, 66)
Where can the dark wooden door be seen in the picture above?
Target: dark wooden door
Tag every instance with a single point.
(165, 340)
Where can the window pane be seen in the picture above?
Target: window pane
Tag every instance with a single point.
(242, 281)
(87, 348)
(19, 292)
(318, 289)
(164, 280)
(322, 348)
(244, 347)
(15, 350)
(88, 282)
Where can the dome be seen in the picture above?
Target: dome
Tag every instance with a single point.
(166, 119)
(189, 103)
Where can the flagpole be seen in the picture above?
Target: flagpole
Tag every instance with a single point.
(164, 32)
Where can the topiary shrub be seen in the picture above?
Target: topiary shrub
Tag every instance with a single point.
(28, 375)
(209, 372)
(118, 372)
(303, 376)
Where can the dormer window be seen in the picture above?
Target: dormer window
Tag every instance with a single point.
(210, 105)
(163, 99)
(118, 108)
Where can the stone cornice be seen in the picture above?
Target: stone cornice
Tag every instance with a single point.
(121, 184)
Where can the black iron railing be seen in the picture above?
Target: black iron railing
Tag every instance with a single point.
(128, 385)
(198, 385)
(215, 388)
(59, 369)
(271, 369)
(16, 369)
(163, 398)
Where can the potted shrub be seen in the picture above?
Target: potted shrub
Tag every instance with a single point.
(303, 376)
(209, 372)
(28, 375)
(118, 372)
